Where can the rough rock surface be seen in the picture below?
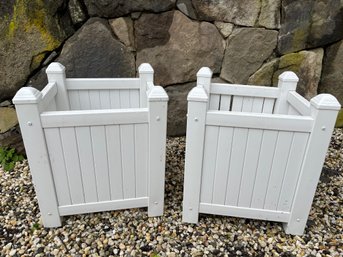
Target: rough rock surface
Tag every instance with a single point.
(270, 14)
(306, 64)
(309, 24)
(123, 29)
(8, 119)
(225, 28)
(86, 55)
(113, 9)
(29, 30)
(178, 47)
(186, 7)
(241, 62)
(332, 76)
(177, 108)
(264, 75)
(77, 14)
(239, 12)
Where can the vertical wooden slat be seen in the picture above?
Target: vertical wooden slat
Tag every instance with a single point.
(222, 164)
(85, 103)
(209, 163)
(115, 99)
(72, 162)
(114, 161)
(124, 98)
(236, 165)
(237, 102)
(264, 166)
(101, 162)
(74, 100)
(105, 101)
(59, 172)
(134, 98)
(292, 172)
(94, 97)
(128, 160)
(278, 169)
(141, 154)
(214, 102)
(225, 102)
(250, 167)
(268, 105)
(247, 104)
(84, 143)
(257, 105)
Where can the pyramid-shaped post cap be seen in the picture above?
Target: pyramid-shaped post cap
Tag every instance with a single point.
(157, 94)
(205, 72)
(289, 76)
(145, 68)
(55, 67)
(197, 94)
(325, 102)
(27, 95)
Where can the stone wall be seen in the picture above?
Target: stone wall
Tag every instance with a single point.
(242, 41)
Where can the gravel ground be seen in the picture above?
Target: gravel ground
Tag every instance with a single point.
(133, 233)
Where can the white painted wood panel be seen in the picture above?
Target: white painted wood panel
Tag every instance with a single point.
(53, 140)
(94, 117)
(222, 164)
(141, 159)
(209, 163)
(258, 120)
(299, 103)
(292, 172)
(103, 206)
(244, 90)
(280, 161)
(225, 102)
(128, 160)
(264, 166)
(74, 100)
(85, 102)
(134, 98)
(214, 102)
(237, 103)
(101, 162)
(268, 105)
(115, 99)
(124, 99)
(236, 165)
(247, 104)
(292, 111)
(72, 162)
(244, 212)
(257, 105)
(85, 149)
(252, 155)
(94, 96)
(114, 161)
(102, 83)
(105, 101)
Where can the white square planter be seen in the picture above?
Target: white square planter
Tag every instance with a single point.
(95, 144)
(255, 152)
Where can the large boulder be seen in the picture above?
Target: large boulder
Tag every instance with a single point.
(332, 76)
(29, 31)
(247, 49)
(177, 108)
(306, 64)
(118, 8)
(123, 29)
(94, 52)
(309, 24)
(270, 14)
(178, 47)
(239, 12)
